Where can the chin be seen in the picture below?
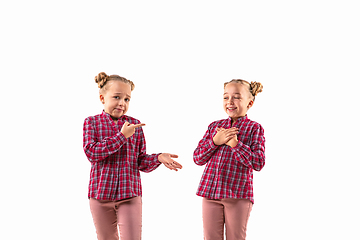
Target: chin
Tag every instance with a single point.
(233, 115)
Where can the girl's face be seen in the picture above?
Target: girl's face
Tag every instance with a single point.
(116, 98)
(237, 100)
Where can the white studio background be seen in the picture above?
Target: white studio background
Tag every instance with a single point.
(179, 54)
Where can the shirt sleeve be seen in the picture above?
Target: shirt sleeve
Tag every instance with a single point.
(97, 150)
(146, 162)
(252, 156)
(205, 148)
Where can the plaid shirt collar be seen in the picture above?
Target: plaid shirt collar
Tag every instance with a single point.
(238, 121)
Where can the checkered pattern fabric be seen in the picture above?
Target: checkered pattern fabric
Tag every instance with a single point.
(115, 160)
(229, 171)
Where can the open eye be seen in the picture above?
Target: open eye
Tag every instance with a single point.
(127, 99)
(117, 97)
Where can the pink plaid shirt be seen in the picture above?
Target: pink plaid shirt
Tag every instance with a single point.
(115, 160)
(229, 171)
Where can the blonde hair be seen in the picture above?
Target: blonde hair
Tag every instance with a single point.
(254, 87)
(102, 78)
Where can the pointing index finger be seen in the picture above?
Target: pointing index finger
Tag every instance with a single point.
(139, 125)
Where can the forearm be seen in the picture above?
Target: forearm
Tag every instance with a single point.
(148, 162)
(99, 150)
(204, 151)
(254, 159)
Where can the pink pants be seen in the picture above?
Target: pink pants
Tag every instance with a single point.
(234, 213)
(109, 215)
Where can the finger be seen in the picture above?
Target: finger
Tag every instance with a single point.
(229, 138)
(125, 125)
(170, 166)
(232, 129)
(173, 165)
(139, 125)
(230, 134)
(177, 165)
(173, 155)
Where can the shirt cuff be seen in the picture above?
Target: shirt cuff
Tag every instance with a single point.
(241, 148)
(211, 144)
(121, 137)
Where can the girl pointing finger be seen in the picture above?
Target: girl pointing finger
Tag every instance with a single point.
(114, 143)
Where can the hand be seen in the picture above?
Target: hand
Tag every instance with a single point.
(233, 142)
(129, 129)
(223, 135)
(166, 159)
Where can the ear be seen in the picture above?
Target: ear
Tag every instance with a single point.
(102, 99)
(250, 104)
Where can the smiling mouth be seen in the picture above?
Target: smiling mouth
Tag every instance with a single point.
(231, 109)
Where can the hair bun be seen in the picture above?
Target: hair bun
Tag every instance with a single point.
(101, 79)
(255, 88)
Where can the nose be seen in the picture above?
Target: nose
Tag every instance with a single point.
(121, 102)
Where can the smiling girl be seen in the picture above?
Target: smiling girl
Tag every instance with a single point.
(114, 143)
(231, 149)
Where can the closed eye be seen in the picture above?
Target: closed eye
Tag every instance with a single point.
(226, 98)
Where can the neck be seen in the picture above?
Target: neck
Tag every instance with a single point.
(233, 120)
(114, 119)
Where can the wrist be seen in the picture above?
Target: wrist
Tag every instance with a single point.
(125, 135)
(159, 157)
(233, 144)
(213, 140)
